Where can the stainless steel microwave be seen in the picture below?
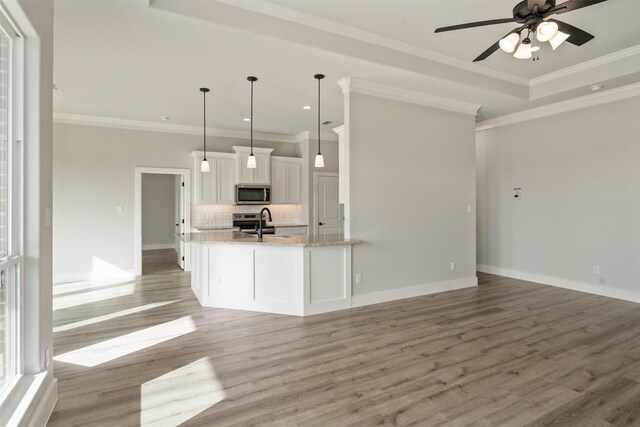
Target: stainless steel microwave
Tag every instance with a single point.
(253, 194)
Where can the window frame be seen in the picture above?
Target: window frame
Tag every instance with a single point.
(15, 186)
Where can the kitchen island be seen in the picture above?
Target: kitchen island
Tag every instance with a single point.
(297, 275)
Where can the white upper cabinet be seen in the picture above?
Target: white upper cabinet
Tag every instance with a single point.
(261, 174)
(218, 185)
(286, 180)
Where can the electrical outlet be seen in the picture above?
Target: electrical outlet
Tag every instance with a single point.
(358, 278)
(468, 208)
(517, 193)
(596, 269)
(119, 209)
(453, 265)
(47, 357)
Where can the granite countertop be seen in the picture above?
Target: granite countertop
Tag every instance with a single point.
(215, 227)
(237, 237)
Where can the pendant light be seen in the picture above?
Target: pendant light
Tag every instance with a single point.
(204, 166)
(319, 159)
(251, 160)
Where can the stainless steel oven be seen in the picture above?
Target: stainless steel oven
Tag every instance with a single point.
(251, 194)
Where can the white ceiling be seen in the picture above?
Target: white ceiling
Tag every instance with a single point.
(613, 23)
(130, 60)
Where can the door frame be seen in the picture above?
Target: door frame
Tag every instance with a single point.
(137, 216)
(316, 176)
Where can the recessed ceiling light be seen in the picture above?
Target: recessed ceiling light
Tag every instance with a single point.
(596, 88)
(307, 107)
(165, 118)
(247, 119)
(57, 88)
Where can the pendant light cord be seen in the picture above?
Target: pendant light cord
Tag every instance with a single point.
(319, 116)
(204, 121)
(252, 117)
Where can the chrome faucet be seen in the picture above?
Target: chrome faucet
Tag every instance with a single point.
(259, 230)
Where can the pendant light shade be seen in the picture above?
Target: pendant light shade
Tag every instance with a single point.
(319, 163)
(509, 43)
(251, 160)
(524, 50)
(558, 39)
(204, 166)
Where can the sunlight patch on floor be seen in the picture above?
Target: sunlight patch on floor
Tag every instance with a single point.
(110, 316)
(83, 286)
(68, 301)
(179, 395)
(114, 348)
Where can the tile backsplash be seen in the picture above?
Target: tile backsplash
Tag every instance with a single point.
(220, 215)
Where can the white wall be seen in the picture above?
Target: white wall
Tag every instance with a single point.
(412, 175)
(158, 210)
(580, 175)
(93, 173)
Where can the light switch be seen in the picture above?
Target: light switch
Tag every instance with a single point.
(119, 209)
(47, 217)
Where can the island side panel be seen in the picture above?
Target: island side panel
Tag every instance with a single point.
(327, 279)
(279, 279)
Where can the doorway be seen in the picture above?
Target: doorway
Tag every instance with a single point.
(328, 217)
(166, 207)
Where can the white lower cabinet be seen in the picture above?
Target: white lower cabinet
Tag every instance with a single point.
(286, 180)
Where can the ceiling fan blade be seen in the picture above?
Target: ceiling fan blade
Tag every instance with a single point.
(570, 5)
(476, 24)
(577, 36)
(487, 53)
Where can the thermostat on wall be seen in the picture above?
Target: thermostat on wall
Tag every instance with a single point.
(517, 193)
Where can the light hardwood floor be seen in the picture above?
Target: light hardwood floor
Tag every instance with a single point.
(506, 353)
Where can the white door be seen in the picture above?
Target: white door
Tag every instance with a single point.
(328, 216)
(180, 213)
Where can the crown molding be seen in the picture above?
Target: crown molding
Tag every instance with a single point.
(590, 100)
(109, 122)
(586, 65)
(350, 84)
(308, 20)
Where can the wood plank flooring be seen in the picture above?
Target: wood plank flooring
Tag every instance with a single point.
(512, 353)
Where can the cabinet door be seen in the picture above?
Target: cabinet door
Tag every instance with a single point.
(206, 183)
(278, 182)
(245, 175)
(263, 170)
(294, 176)
(225, 185)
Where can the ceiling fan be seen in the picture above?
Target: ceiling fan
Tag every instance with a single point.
(534, 17)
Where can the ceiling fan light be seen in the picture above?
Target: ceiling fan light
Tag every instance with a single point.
(546, 30)
(558, 39)
(524, 50)
(508, 44)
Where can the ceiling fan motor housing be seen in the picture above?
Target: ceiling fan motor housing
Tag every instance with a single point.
(522, 10)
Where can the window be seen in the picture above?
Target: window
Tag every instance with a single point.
(10, 259)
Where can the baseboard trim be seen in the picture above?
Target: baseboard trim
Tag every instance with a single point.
(412, 291)
(45, 406)
(158, 246)
(81, 277)
(589, 288)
